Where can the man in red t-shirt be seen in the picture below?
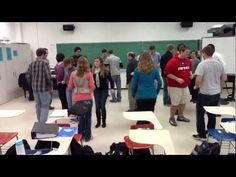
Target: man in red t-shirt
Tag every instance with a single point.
(179, 72)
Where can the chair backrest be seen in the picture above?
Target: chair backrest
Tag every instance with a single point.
(224, 119)
(143, 126)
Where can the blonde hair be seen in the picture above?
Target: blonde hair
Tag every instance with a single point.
(83, 66)
(145, 63)
(103, 69)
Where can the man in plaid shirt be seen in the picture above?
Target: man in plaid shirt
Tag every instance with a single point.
(39, 76)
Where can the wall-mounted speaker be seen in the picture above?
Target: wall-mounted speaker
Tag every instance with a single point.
(69, 27)
(186, 24)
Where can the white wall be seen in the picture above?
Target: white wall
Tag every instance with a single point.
(48, 34)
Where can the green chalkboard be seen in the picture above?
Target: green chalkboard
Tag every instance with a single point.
(92, 50)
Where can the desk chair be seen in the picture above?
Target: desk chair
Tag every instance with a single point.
(132, 145)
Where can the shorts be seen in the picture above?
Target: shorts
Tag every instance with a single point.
(178, 95)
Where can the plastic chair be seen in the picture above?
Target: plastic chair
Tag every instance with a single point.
(132, 145)
(5, 137)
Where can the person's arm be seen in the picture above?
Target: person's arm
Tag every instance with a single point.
(135, 83)
(48, 74)
(121, 64)
(177, 79)
(91, 82)
(159, 82)
(169, 69)
(199, 76)
(71, 84)
(28, 75)
(110, 80)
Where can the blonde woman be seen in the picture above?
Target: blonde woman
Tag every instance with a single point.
(82, 82)
(101, 77)
(143, 86)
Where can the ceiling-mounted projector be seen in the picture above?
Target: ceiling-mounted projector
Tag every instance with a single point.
(222, 30)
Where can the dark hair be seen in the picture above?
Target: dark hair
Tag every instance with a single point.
(211, 45)
(182, 48)
(132, 54)
(152, 47)
(179, 45)
(110, 51)
(60, 57)
(45, 48)
(104, 50)
(196, 53)
(40, 52)
(170, 47)
(77, 48)
(209, 50)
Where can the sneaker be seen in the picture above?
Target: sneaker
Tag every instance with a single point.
(183, 119)
(97, 125)
(51, 107)
(172, 121)
(197, 137)
(113, 101)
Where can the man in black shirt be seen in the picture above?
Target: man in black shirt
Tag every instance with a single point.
(75, 57)
(164, 60)
(129, 75)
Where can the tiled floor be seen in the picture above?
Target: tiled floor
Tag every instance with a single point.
(117, 126)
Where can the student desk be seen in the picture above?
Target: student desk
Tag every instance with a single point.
(229, 127)
(5, 137)
(155, 137)
(221, 110)
(10, 113)
(143, 116)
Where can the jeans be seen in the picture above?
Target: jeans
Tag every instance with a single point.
(116, 79)
(69, 94)
(205, 100)
(166, 97)
(62, 95)
(132, 101)
(193, 92)
(100, 97)
(42, 100)
(85, 122)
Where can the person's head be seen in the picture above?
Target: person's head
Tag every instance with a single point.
(193, 54)
(183, 51)
(207, 52)
(178, 46)
(41, 53)
(212, 46)
(104, 53)
(46, 52)
(130, 55)
(152, 49)
(145, 63)
(82, 66)
(171, 48)
(110, 52)
(67, 62)
(98, 64)
(104, 50)
(60, 57)
(77, 51)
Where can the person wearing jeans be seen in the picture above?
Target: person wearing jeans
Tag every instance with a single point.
(115, 64)
(38, 75)
(101, 77)
(81, 81)
(210, 73)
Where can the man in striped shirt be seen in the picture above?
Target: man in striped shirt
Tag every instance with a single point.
(39, 76)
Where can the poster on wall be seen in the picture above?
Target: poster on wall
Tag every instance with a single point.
(15, 53)
(1, 57)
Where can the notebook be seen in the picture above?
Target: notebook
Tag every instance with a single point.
(67, 131)
(43, 130)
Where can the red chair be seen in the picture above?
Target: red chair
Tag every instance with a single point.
(132, 145)
(5, 137)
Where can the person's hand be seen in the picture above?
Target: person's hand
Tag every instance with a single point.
(180, 81)
(195, 87)
(63, 82)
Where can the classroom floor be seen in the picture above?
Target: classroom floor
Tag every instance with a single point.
(117, 126)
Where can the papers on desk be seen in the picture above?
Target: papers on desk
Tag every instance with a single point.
(59, 113)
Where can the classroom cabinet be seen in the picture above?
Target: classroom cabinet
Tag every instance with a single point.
(14, 59)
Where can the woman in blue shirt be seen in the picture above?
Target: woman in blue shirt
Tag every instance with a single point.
(143, 85)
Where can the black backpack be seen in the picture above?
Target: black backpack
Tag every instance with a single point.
(77, 149)
(206, 149)
(12, 149)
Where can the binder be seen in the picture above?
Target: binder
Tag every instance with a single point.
(43, 130)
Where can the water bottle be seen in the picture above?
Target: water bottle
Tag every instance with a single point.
(20, 149)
